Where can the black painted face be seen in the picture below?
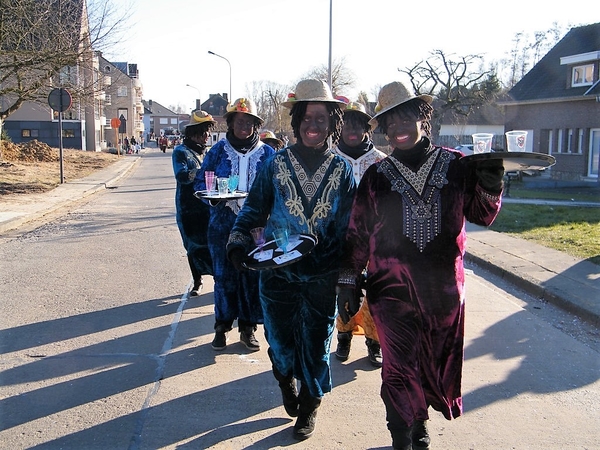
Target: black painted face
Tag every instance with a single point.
(314, 127)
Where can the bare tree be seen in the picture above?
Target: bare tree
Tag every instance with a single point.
(526, 52)
(459, 84)
(342, 78)
(51, 43)
(268, 97)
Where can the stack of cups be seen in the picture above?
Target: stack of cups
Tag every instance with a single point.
(482, 143)
(209, 177)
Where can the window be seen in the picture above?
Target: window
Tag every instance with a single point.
(559, 141)
(68, 133)
(582, 75)
(163, 121)
(580, 141)
(122, 91)
(173, 121)
(25, 133)
(570, 140)
(107, 99)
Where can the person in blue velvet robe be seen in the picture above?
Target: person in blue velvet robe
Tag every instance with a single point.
(408, 227)
(308, 190)
(235, 293)
(192, 214)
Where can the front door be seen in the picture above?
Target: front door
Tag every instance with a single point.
(594, 158)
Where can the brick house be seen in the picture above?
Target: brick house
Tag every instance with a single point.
(558, 103)
(122, 98)
(159, 119)
(35, 119)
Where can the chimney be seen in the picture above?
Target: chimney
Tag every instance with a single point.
(197, 103)
(225, 96)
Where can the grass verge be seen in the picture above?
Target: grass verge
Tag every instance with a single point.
(570, 229)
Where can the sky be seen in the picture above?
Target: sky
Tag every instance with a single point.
(281, 40)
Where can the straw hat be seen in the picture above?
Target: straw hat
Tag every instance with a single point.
(311, 91)
(266, 136)
(392, 95)
(242, 105)
(357, 108)
(198, 117)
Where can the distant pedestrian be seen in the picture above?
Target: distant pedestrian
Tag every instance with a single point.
(163, 143)
(192, 214)
(407, 227)
(126, 145)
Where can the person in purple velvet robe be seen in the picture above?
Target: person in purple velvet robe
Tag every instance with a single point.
(407, 226)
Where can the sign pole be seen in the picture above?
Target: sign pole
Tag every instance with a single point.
(115, 123)
(60, 138)
(60, 100)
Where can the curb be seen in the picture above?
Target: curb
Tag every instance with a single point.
(62, 197)
(534, 289)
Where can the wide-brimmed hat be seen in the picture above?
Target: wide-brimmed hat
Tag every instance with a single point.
(198, 117)
(267, 136)
(357, 108)
(242, 105)
(392, 95)
(311, 91)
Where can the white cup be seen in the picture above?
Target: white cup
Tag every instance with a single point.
(482, 142)
(516, 140)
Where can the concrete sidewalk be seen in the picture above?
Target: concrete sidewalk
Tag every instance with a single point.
(553, 276)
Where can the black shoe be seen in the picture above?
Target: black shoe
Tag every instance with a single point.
(401, 439)
(305, 425)
(197, 286)
(343, 348)
(248, 339)
(307, 415)
(374, 350)
(220, 340)
(420, 436)
(289, 393)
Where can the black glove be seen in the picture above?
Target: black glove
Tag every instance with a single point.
(348, 301)
(490, 173)
(237, 256)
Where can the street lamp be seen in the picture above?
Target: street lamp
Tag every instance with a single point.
(213, 53)
(198, 102)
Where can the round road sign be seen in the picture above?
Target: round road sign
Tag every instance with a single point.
(59, 99)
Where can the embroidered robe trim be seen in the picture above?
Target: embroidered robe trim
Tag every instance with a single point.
(420, 192)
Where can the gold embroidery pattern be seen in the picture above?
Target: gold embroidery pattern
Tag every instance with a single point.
(309, 185)
(293, 201)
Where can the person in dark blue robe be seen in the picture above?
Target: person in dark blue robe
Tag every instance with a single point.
(306, 189)
(191, 213)
(240, 153)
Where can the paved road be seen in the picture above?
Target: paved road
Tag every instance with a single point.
(101, 348)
